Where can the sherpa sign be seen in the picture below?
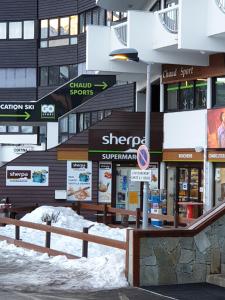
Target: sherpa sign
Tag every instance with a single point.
(57, 103)
(114, 145)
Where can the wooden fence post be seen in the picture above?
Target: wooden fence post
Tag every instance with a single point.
(78, 207)
(48, 236)
(138, 217)
(105, 214)
(17, 232)
(85, 244)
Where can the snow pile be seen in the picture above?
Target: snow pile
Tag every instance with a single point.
(104, 267)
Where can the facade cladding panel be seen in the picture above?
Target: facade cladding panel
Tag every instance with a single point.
(82, 48)
(85, 5)
(18, 54)
(18, 10)
(64, 55)
(56, 8)
(18, 94)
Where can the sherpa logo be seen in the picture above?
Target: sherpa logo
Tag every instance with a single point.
(47, 111)
(132, 141)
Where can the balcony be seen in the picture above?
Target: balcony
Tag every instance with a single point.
(216, 12)
(169, 18)
(121, 33)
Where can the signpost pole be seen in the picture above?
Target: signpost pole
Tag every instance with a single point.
(147, 143)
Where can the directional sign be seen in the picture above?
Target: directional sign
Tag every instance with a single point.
(57, 103)
(143, 157)
(141, 175)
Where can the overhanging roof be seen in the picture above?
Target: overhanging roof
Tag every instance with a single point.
(122, 5)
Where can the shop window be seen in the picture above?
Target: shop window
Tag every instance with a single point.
(201, 93)
(172, 93)
(63, 125)
(81, 122)
(27, 129)
(13, 129)
(187, 95)
(219, 91)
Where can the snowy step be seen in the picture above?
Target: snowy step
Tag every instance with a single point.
(217, 279)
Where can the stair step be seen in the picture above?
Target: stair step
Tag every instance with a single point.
(217, 279)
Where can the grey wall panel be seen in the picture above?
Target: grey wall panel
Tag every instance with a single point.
(22, 94)
(120, 96)
(81, 48)
(57, 56)
(18, 54)
(85, 5)
(18, 10)
(55, 8)
(43, 91)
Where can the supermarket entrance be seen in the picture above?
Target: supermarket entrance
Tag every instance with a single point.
(185, 189)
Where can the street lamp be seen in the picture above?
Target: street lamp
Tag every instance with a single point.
(130, 54)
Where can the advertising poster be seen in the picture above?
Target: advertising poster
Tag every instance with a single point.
(79, 180)
(105, 182)
(27, 176)
(216, 128)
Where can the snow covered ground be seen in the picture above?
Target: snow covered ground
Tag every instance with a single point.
(23, 269)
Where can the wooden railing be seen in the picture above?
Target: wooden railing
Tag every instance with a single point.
(105, 211)
(84, 236)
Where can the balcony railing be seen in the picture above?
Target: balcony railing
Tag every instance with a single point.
(221, 4)
(169, 18)
(121, 32)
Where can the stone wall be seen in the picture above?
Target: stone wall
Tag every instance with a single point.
(174, 260)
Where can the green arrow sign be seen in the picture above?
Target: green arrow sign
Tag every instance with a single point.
(26, 116)
(103, 85)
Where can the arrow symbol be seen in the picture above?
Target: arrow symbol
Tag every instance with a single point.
(103, 85)
(26, 116)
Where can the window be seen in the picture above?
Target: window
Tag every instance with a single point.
(64, 26)
(2, 128)
(63, 125)
(13, 129)
(219, 91)
(53, 27)
(17, 77)
(58, 31)
(28, 30)
(3, 33)
(169, 3)
(27, 129)
(115, 16)
(187, 95)
(56, 75)
(53, 73)
(87, 120)
(15, 30)
(96, 16)
(63, 74)
(43, 76)
(72, 124)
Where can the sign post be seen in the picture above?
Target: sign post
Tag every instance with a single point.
(143, 160)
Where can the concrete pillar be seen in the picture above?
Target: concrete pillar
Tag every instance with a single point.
(208, 186)
(209, 93)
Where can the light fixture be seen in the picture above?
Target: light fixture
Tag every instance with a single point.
(125, 54)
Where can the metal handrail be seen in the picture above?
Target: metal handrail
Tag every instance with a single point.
(121, 32)
(221, 5)
(169, 18)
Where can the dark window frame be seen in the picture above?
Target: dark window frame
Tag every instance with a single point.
(22, 29)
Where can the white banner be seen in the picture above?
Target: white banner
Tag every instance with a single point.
(105, 182)
(27, 176)
(141, 175)
(79, 180)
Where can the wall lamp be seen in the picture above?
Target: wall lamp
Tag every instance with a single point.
(127, 54)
